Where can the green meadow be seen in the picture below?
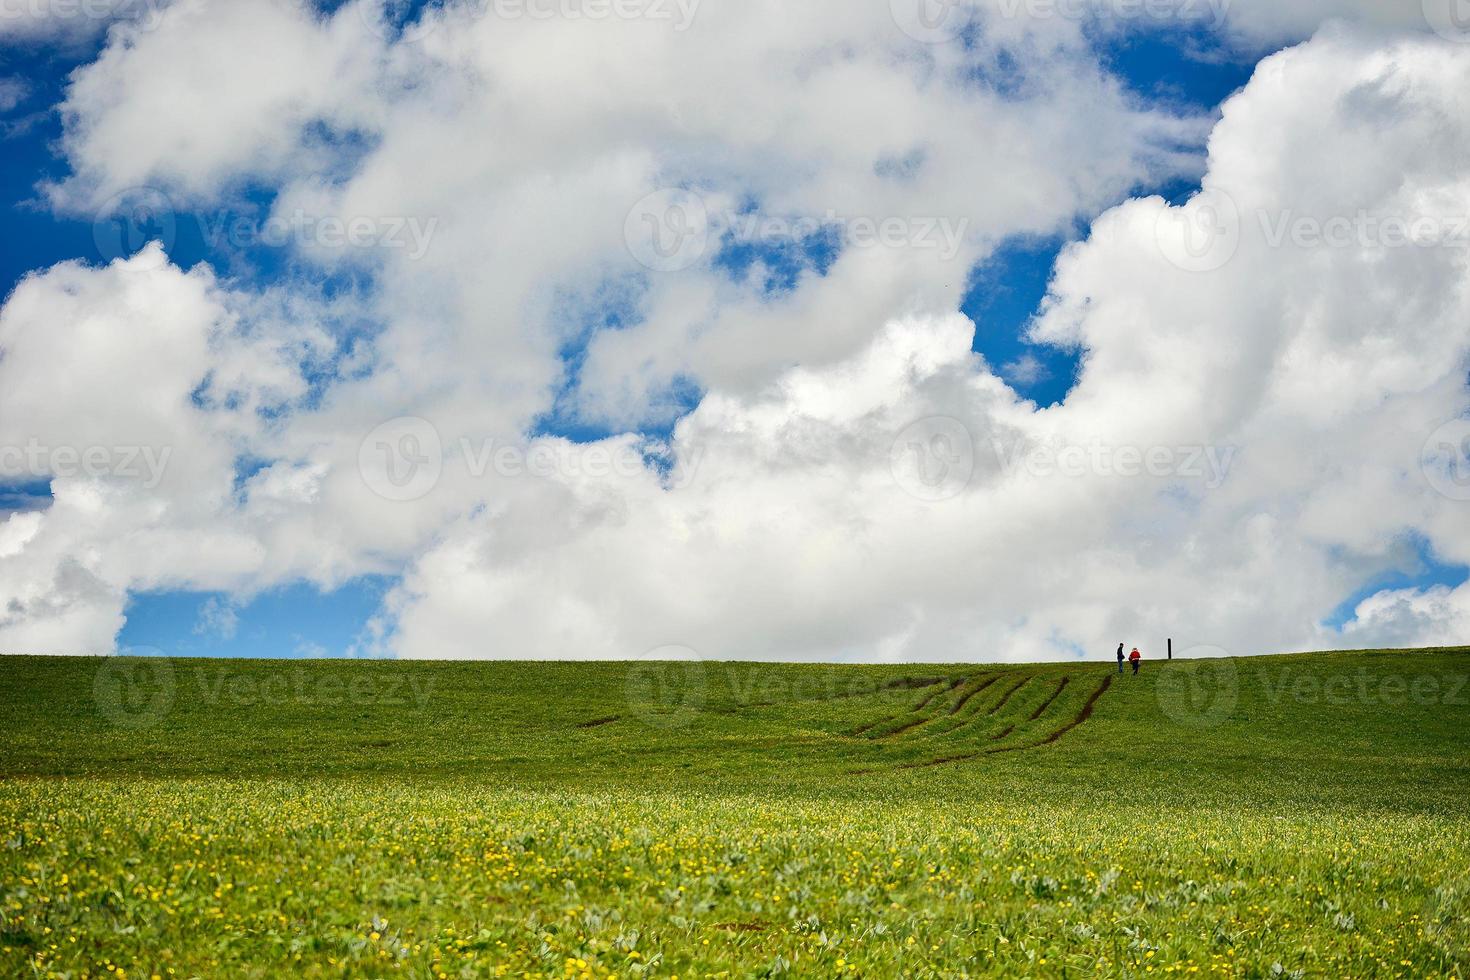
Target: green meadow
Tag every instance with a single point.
(1295, 816)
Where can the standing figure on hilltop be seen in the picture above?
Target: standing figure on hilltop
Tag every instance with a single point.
(1134, 658)
(1120, 658)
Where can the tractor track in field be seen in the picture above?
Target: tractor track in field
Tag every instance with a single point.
(1054, 695)
(926, 765)
(929, 698)
(1086, 712)
(943, 685)
(1007, 696)
(897, 684)
(960, 704)
(969, 722)
(904, 730)
(921, 722)
(1082, 716)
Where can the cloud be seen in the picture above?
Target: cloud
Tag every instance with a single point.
(311, 651)
(217, 619)
(1414, 617)
(1025, 370)
(1306, 375)
(132, 389)
(204, 92)
(13, 91)
(1241, 449)
(69, 23)
(1266, 22)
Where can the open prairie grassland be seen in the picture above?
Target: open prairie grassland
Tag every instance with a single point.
(1299, 816)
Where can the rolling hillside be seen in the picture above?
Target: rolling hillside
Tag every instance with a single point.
(1307, 726)
(1247, 818)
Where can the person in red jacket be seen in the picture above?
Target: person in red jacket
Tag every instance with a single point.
(1134, 658)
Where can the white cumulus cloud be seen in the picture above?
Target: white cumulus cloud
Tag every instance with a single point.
(1260, 368)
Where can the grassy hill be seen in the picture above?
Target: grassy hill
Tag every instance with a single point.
(1244, 818)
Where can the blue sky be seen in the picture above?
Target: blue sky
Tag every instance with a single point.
(1190, 69)
(292, 621)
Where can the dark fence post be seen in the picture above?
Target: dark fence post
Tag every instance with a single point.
(1171, 648)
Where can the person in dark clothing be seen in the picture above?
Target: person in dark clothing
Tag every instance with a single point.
(1120, 658)
(1135, 658)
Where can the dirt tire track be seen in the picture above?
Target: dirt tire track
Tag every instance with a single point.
(929, 698)
(881, 722)
(918, 723)
(921, 722)
(940, 762)
(898, 684)
(964, 700)
(997, 738)
(917, 708)
(968, 722)
(1054, 695)
(1007, 695)
(1085, 714)
(1082, 716)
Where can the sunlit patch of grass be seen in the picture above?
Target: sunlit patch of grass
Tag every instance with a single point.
(540, 820)
(216, 878)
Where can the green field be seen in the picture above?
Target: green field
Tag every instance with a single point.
(1286, 816)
